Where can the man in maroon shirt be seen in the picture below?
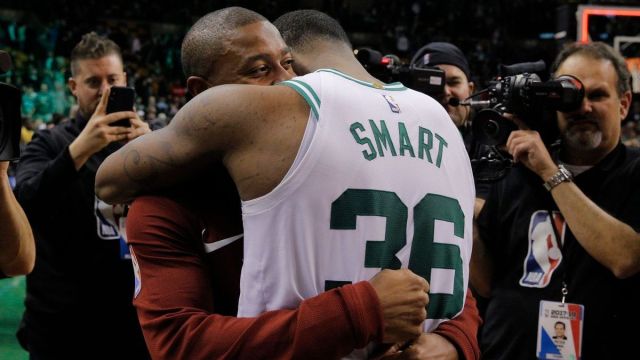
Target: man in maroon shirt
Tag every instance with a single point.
(188, 251)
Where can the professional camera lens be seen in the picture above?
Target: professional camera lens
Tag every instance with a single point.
(491, 128)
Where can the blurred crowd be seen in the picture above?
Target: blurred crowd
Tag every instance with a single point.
(60, 178)
(40, 35)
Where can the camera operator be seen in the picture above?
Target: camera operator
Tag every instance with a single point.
(78, 302)
(575, 239)
(450, 59)
(458, 87)
(17, 248)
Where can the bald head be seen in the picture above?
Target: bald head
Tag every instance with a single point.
(206, 40)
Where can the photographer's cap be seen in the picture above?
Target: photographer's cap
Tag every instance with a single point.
(437, 53)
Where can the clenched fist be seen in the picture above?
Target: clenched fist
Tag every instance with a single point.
(403, 298)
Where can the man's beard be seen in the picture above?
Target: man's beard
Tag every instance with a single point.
(458, 117)
(580, 138)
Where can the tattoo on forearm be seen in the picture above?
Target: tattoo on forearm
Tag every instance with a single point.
(146, 169)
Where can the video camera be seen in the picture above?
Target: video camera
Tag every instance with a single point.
(520, 91)
(389, 68)
(10, 120)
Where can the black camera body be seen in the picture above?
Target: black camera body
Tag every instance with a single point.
(526, 96)
(10, 118)
(389, 68)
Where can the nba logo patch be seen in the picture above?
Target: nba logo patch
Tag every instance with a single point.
(544, 255)
(392, 103)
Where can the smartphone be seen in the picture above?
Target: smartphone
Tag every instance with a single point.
(121, 98)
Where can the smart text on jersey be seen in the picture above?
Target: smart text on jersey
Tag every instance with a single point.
(378, 142)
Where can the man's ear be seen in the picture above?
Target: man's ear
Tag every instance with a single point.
(72, 84)
(196, 85)
(625, 103)
(472, 88)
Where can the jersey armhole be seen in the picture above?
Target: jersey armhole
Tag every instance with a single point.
(307, 93)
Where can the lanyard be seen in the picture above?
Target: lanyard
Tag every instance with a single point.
(565, 290)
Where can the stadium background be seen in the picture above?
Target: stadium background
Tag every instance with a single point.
(40, 34)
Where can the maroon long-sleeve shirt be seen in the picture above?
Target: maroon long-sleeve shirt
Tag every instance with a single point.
(188, 296)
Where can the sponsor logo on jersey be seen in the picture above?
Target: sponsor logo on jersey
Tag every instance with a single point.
(544, 253)
(393, 105)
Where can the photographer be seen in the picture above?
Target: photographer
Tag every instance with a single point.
(450, 59)
(457, 87)
(17, 248)
(574, 240)
(78, 302)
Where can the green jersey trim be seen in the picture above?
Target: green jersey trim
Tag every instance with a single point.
(307, 93)
(396, 86)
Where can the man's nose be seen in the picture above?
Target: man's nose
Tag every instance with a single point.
(280, 74)
(103, 86)
(447, 91)
(586, 106)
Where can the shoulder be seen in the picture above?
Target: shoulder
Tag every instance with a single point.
(227, 104)
(44, 142)
(158, 210)
(59, 135)
(158, 204)
(162, 220)
(240, 97)
(633, 158)
(623, 164)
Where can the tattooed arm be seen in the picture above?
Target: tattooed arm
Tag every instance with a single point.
(199, 134)
(254, 130)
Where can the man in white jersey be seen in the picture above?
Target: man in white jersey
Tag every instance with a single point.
(340, 176)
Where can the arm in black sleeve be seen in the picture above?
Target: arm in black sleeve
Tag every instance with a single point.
(45, 171)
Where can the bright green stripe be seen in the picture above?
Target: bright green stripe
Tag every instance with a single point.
(396, 86)
(315, 96)
(302, 93)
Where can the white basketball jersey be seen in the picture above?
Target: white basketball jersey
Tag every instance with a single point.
(384, 181)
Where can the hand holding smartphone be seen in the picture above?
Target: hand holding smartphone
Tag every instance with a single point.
(121, 98)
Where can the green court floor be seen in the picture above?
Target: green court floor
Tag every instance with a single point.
(11, 307)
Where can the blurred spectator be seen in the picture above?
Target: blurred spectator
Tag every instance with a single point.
(631, 134)
(43, 104)
(78, 303)
(26, 133)
(28, 101)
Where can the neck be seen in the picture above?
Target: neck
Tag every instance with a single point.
(336, 56)
(582, 157)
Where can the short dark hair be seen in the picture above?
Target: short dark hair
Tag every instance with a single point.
(205, 41)
(92, 46)
(560, 323)
(299, 28)
(601, 51)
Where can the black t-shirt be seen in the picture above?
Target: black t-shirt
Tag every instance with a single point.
(515, 220)
(78, 300)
